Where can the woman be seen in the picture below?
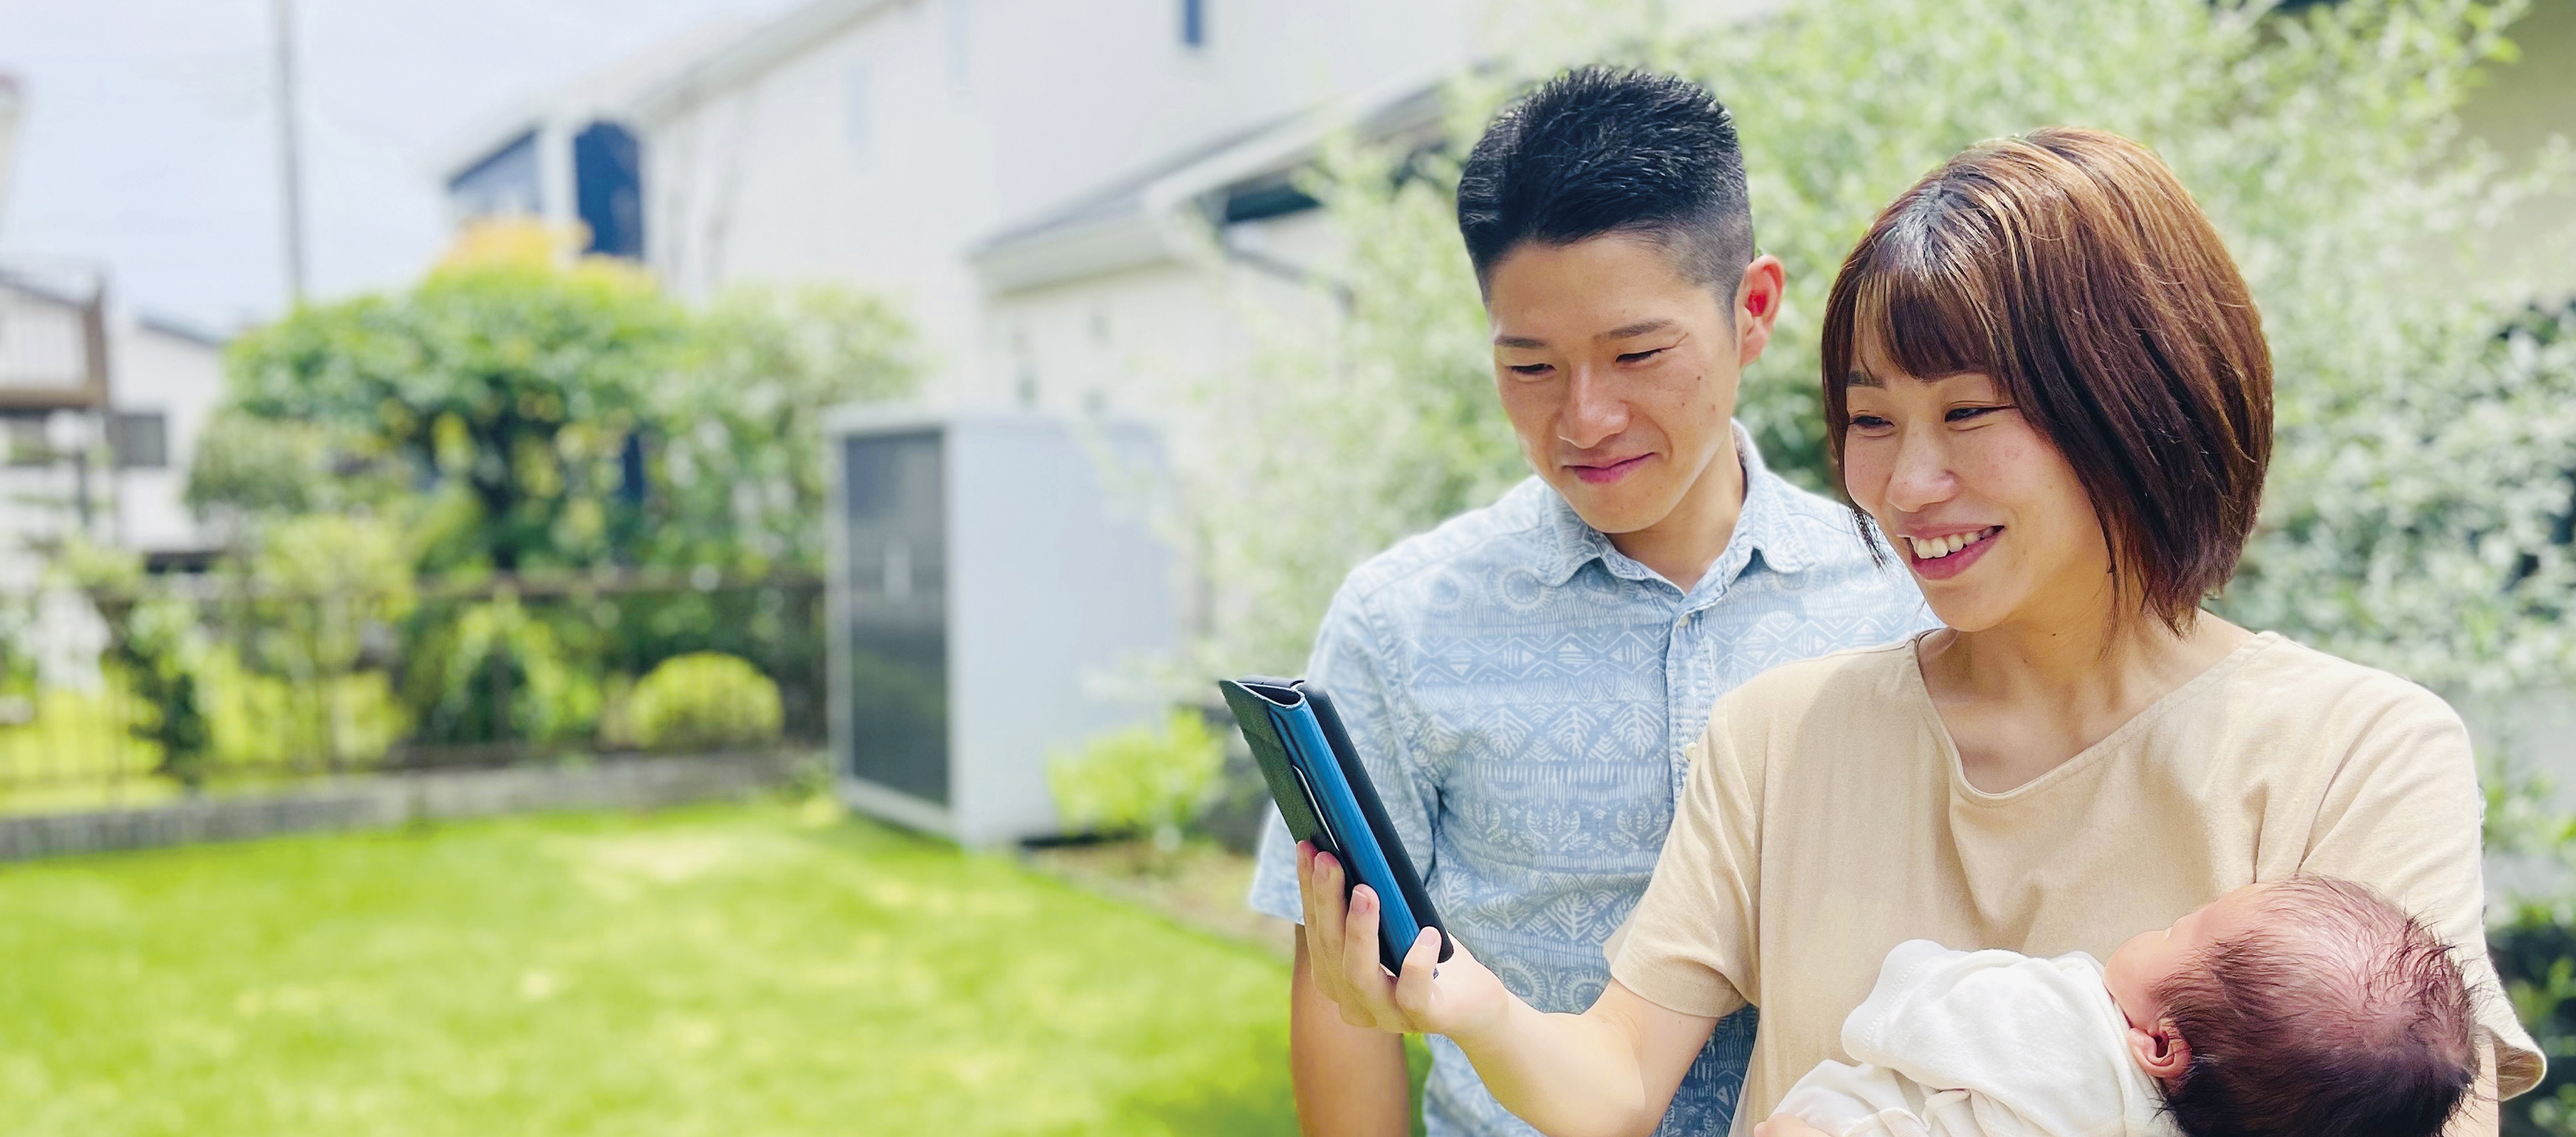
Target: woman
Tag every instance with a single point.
(2047, 382)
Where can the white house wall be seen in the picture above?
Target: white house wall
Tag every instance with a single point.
(180, 378)
(1163, 342)
(882, 152)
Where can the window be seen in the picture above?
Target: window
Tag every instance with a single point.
(25, 438)
(140, 440)
(1194, 23)
(505, 182)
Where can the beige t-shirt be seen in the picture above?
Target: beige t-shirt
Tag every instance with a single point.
(1826, 821)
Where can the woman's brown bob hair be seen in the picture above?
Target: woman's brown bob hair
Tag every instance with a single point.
(2071, 267)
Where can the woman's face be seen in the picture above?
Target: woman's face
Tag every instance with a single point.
(1980, 505)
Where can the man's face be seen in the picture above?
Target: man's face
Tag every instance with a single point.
(1619, 373)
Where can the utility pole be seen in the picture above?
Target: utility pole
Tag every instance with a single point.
(289, 159)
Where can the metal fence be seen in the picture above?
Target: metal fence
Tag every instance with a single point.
(199, 683)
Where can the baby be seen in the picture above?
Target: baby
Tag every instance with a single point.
(2308, 1006)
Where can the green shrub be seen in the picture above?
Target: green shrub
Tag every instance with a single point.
(704, 701)
(494, 673)
(1139, 779)
(2535, 955)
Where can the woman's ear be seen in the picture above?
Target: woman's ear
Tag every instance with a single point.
(2162, 1053)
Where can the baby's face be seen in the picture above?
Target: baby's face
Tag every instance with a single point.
(2140, 965)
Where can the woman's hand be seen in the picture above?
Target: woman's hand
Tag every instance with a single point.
(1787, 1125)
(1459, 998)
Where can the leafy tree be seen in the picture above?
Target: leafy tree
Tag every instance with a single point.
(739, 463)
(2421, 513)
(156, 646)
(2415, 517)
(519, 381)
(247, 470)
(569, 414)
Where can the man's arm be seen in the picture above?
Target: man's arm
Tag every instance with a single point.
(1351, 1081)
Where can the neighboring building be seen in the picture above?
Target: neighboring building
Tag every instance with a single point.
(167, 379)
(99, 414)
(1073, 200)
(1034, 180)
(569, 156)
(10, 102)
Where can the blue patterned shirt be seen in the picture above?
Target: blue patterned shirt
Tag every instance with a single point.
(1523, 695)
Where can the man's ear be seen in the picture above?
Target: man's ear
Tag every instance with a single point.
(1757, 307)
(2162, 1053)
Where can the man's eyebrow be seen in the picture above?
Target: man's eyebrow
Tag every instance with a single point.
(1641, 327)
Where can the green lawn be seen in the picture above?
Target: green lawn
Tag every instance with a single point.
(734, 970)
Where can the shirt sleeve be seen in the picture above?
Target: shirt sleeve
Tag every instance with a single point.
(1689, 945)
(1348, 663)
(2404, 815)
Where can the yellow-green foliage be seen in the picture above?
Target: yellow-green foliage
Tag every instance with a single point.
(1138, 778)
(261, 721)
(80, 747)
(704, 701)
(548, 699)
(75, 750)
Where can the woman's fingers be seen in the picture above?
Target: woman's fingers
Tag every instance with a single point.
(1325, 910)
(1414, 988)
(1341, 936)
(1370, 986)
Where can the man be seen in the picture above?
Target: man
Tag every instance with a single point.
(1523, 681)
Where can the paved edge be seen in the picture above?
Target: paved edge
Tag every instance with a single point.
(383, 801)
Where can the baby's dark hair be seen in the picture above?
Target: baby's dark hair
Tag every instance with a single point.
(2336, 1015)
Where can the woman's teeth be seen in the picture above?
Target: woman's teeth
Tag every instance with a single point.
(1935, 548)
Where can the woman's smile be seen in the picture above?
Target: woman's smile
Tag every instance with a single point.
(1943, 557)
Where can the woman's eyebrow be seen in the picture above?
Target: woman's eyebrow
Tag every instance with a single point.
(1862, 379)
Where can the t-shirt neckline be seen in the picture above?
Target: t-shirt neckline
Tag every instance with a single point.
(1921, 690)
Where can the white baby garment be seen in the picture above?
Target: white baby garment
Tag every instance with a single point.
(1983, 1044)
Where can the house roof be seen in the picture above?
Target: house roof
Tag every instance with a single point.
(747, 54)
(178, 329)
(609, 92)
(1143, 217)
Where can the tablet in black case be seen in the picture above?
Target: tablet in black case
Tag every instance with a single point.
(1325, 796)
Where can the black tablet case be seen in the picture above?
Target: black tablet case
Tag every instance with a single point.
(1252, 700)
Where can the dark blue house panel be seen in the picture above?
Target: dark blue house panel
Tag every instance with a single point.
(608, 177)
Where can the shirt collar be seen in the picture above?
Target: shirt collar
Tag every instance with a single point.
(1569, 543)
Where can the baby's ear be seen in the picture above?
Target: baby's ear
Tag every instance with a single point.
(2162, 1053)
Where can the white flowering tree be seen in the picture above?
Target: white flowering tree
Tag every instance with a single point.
(2419, 510)
(2421, 513)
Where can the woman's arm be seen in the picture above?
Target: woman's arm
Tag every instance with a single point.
(2477, 1116)
(1608, 1072)
(1349, 1081)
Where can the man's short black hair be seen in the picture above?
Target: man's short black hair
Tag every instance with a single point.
(1600, 151)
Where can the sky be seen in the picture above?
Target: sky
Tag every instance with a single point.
(148, 144)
